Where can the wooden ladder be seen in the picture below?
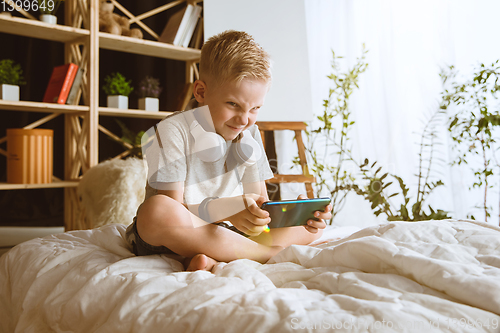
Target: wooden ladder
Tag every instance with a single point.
(297, 127)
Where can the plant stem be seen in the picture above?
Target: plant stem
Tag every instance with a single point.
(431, 155)
(485, 161)
(420, 164)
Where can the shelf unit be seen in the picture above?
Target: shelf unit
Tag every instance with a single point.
(43, 107)
(54, 184)
(131, 113)
(37, 29)
(147, 47)
(82, 41)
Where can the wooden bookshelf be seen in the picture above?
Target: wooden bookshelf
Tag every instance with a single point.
(43, 107)
(133, 113)
(81, 122)
(37, 29)
(146, 47)
(55, 184)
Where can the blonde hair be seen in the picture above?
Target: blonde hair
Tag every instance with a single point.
(233, 56)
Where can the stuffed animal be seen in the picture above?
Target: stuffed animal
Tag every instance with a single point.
(114, 23)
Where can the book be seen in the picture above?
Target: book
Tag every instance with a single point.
(60, 83)
(176, 25)
(183, 25)
(75, 87)
(193, 20)
(197, 40)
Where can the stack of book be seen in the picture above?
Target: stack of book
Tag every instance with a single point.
(64, 84)
(184, 28)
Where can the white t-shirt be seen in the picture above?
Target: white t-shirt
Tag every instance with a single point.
(177, 162)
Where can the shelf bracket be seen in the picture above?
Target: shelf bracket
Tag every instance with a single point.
(130, 15)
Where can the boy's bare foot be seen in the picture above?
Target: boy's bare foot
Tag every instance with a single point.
(200, 262)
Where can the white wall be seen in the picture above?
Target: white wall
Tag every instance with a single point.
(279, 26)
(475, 26)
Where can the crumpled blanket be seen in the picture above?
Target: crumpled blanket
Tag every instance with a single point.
(435, 276)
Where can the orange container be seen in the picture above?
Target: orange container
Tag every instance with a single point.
(29, 156)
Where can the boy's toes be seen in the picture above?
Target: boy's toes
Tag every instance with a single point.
(201, 262)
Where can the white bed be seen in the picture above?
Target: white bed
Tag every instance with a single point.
(438, 276)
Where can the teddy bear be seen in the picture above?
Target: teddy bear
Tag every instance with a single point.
(114, 23)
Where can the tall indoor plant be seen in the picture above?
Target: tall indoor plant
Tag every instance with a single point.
(339, 174)
(331, 129)
(474, 122)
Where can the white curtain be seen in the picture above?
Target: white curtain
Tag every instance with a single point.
(408, 42)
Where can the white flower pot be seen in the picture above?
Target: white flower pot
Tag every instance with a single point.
(9, 92)
(149, 104)
(47, 18)
(118, 102)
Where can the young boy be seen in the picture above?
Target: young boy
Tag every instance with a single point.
(202, 199)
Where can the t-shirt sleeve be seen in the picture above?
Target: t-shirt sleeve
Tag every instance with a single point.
(261, 169)
(164, 148)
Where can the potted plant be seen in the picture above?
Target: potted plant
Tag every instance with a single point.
(149, 91)
(10, 79)
(117, 88)
(48, 10)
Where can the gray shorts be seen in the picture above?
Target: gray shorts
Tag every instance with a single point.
(142, 248)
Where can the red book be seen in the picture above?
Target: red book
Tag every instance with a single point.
(60, 83)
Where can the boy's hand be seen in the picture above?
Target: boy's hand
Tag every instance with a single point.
(251, 220)
(312, 225)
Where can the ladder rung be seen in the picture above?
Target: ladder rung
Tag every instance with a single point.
(281, 125)
(291, 179)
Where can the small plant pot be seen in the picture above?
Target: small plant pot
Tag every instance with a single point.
(149, 104)
(9, 92)
(47, 18)
(118, 102)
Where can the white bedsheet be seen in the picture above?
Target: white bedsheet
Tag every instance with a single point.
(439, 276)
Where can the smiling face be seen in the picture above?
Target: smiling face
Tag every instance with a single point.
(233, 106)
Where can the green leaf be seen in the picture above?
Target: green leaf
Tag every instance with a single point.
(404, 213)
(11, 73)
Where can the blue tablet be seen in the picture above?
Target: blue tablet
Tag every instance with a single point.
(290, 213)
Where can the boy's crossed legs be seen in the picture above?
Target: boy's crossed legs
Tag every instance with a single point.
(165, 221)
